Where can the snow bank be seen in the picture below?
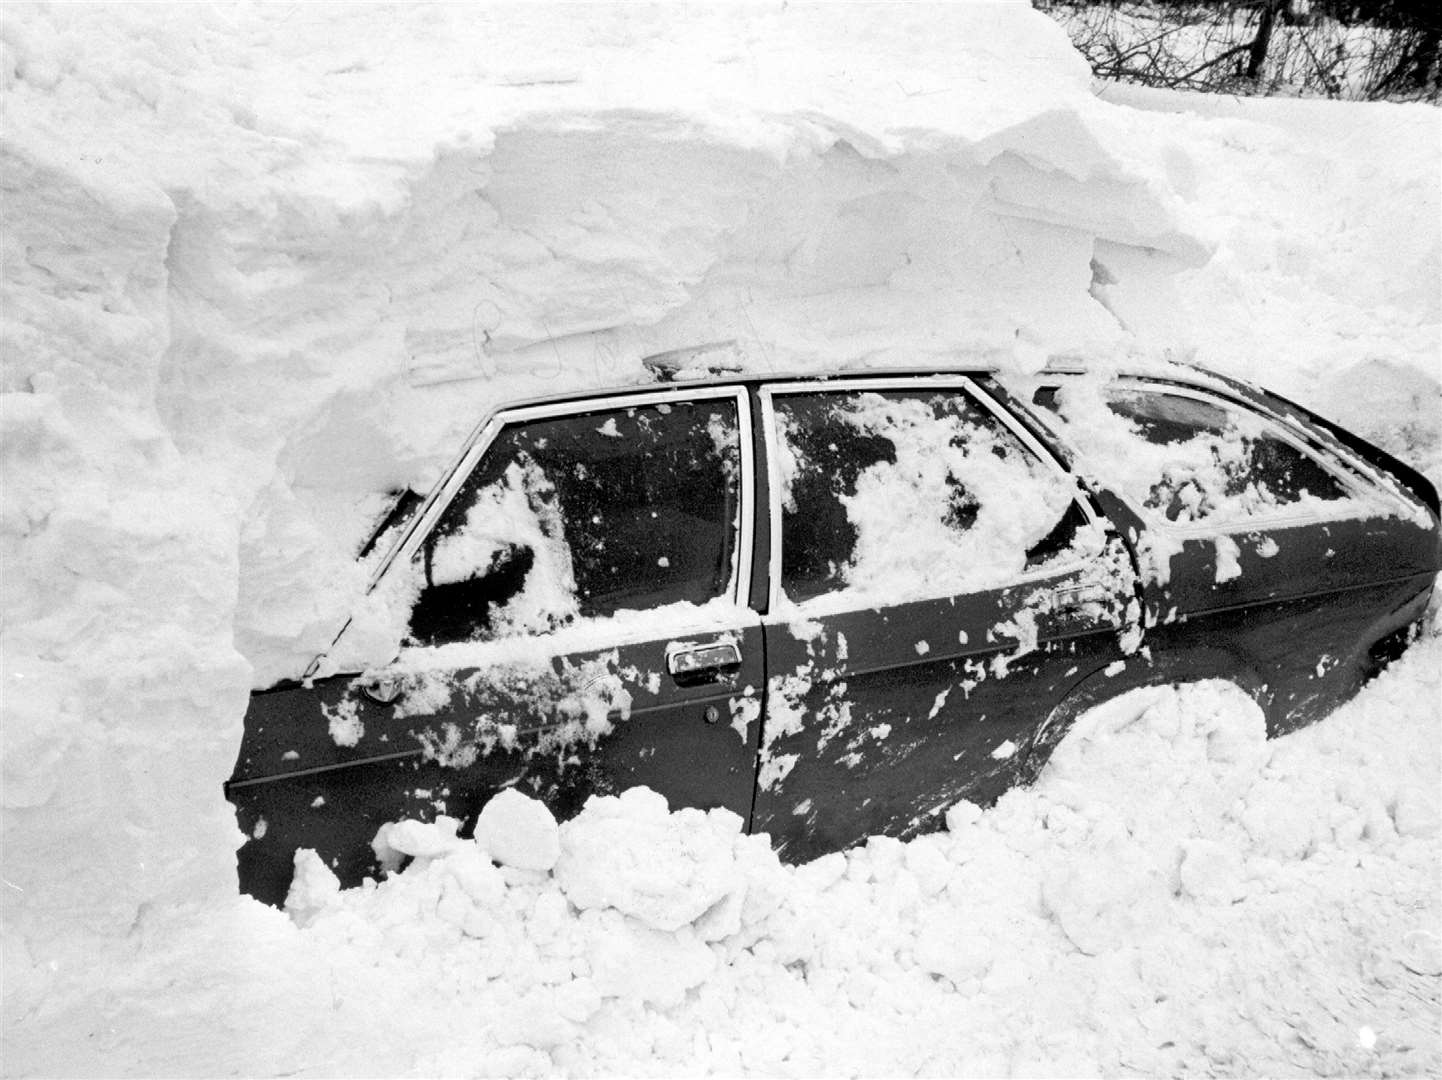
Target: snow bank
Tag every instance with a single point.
(263, 264)
(1175, 893)
(1324, 281)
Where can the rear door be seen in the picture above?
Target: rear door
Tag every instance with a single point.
(575, 624)
(1259, 539)
(938, 583)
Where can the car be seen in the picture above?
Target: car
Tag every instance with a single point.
(835, 604)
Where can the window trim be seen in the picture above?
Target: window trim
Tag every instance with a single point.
(985, 401)
(1208, 528)
(445, 492)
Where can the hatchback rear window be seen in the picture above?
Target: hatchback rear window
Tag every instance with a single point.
(1217, 461)
(1192, 458)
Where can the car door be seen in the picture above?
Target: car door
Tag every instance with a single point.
(575, 624)
(938, 583)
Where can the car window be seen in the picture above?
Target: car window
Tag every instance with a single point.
(582, 516)
(907, 495)
(1196, 459)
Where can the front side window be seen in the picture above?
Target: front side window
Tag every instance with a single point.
(913, 494)
(582, 516)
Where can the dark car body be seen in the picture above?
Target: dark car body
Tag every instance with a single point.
(835, 605)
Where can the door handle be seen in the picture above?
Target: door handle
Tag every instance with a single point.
(383, 689)
(689, 663)
(1070, 599)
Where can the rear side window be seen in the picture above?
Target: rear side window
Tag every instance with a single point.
(907, 495)
(1200, 459)
(583, 516)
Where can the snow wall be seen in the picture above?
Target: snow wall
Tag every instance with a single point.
(261, 265)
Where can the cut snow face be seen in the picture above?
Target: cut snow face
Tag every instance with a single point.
(264, 263)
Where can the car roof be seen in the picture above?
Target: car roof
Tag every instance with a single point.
(743, 378)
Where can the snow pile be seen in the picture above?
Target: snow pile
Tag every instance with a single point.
(263, 264)
(1323, 282)
(1059, 934)
(1175, 893)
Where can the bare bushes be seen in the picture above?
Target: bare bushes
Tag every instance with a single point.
(1358, 49)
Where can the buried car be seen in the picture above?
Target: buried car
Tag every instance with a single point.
(835, 605)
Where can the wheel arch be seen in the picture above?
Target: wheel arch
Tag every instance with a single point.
(1198, 664)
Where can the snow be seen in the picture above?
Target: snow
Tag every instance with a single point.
(1060, 933)
(907, 545)
(516, 831)
(262, 264)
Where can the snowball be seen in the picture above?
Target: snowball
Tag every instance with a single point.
(518, 831)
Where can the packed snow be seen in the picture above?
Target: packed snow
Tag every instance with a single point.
(264, 264)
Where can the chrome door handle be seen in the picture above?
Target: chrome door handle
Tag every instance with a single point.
(691, 663)
(383, 689)
(1078, 596)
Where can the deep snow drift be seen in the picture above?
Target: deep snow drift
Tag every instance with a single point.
(263, 264)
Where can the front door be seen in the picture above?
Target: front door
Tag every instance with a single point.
(575, 624)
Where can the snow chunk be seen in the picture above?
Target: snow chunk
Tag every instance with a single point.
(420, 839)
(664, 870)
(516, 830)
(962, 816)
(346, 728)
(313, 888)
(1004, 751)
(636, 962)
(1228, 555)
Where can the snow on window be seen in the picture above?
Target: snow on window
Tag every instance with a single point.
(511, 535)
(912, 495)
(1194, 460)
(580, 517)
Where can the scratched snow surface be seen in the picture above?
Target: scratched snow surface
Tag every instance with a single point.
(265, 264)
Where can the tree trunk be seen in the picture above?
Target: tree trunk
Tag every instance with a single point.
(1425, 60)
(1258, 52)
